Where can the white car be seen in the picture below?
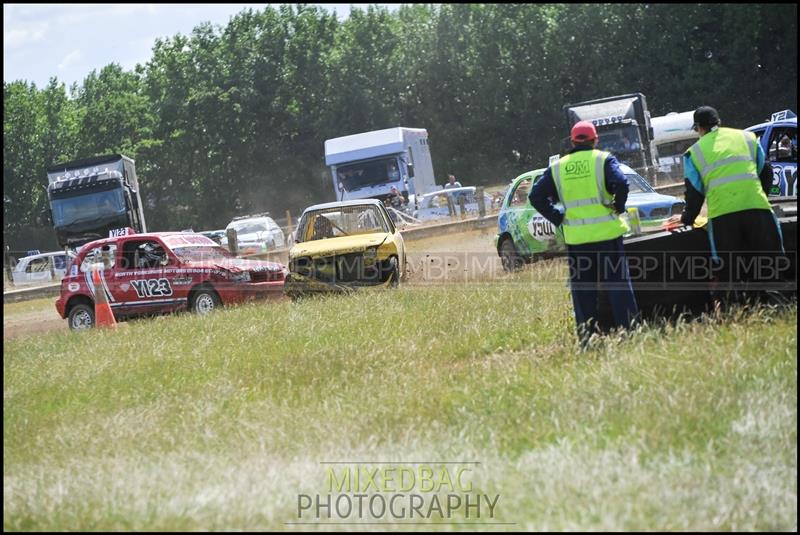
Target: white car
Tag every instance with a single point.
(435, 205)
(255, 234)
(41, 268)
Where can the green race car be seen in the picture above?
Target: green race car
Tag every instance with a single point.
(524, 235)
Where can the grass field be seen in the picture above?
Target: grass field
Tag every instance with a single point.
(193, 423)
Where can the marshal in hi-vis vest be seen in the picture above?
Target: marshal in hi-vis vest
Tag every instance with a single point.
(726, 159)
(589, 215)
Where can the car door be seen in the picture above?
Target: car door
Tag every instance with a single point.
(18, 275)
(38, 271)
(60, 263)
(141, 283)
(532, 232)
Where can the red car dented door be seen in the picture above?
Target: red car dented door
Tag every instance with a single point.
(145, 277)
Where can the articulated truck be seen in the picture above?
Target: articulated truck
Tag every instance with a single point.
(93, 198)
(369, 164)
(623, 126)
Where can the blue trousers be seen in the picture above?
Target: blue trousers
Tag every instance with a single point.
(596, 267)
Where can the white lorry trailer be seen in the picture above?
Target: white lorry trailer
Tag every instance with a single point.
(369, 164)
(672, 136)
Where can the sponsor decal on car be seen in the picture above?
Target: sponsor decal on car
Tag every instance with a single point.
(168, 271)
(541, 229)
(185, 240)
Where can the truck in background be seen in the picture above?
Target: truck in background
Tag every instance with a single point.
(778, 138)
(93, 197)
(368, 164)
(623, 126)
(672, 136)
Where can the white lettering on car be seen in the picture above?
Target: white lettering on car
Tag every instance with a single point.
(152, 287)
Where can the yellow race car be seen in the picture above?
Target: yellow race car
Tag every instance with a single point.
(345, 245)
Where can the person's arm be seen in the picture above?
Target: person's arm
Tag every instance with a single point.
(695, 192)
(541, 198)
(764, 169)
(616, 184)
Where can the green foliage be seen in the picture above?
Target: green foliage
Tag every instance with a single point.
(232, 119)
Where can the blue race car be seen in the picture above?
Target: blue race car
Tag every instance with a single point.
(778, 138)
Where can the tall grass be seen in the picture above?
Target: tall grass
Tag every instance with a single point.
(185, 422)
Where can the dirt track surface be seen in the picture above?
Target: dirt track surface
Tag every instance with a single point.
(456, 258)
(31, 317)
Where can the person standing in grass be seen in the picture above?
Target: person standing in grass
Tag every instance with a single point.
(593, 190)
(727, 169)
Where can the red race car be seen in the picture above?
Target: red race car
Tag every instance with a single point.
(163, 272)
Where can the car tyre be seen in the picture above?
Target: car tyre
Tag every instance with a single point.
(81, 317)
(510, 258)
(204, 301)
(395, 273)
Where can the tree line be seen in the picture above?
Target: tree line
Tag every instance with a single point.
(232, 119)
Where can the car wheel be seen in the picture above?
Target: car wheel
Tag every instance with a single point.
(81, 317)
(395, 273)
(204, 301)
(291, 289)
(509, 256)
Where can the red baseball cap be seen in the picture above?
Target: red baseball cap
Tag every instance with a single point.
(583, 131)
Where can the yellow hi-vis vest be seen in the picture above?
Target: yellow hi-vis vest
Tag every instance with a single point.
(589, 215)
(726, 160)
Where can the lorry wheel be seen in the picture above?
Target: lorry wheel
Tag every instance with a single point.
(204, 301)
(81, 317)
(509, 256)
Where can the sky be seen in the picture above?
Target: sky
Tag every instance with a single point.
(68, 41)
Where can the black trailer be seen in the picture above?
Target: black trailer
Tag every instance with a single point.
(672, 272)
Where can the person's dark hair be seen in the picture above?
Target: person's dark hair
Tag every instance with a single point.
(705, 117)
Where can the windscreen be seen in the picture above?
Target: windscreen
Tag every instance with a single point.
(619, 140)
(370, 173)
(88, 207)
(250, 227)
(342, 221)
(637, 184)
(254, 225)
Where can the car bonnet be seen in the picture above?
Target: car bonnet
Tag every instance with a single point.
(341, 245)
